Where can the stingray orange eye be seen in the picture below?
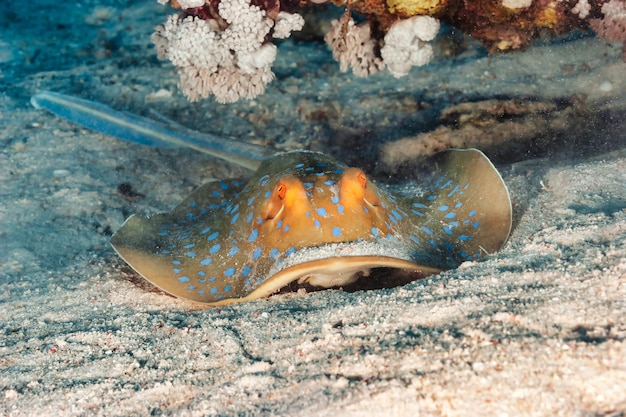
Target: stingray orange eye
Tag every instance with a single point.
(362, 179)
(281, 190)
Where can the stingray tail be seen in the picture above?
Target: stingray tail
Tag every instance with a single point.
(137, 129)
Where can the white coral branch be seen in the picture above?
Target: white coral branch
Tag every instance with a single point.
(353, 47)
(287, 23)
(229, 63)
(406, 44)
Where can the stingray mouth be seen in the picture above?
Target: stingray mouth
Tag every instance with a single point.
(350, 273)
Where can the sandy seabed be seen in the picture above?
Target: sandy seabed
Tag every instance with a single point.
(537, 329)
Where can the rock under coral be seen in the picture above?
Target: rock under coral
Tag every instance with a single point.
(416, 7)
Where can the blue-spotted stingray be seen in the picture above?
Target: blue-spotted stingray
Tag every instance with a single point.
(301, 217)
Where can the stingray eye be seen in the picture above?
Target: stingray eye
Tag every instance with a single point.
(281, 190)
(362, 179)
(274, 204)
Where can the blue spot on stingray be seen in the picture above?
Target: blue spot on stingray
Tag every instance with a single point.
(453, 224)
(212, 279)
(396, 215)
(375, 231)
(279, 224)
(417, 213)
(175, 262)
(234, 219)
(249, 218)
(253, 235)
(267, 194)
(319, 174)
(201, 274)
(250, 201)
(216, 194)
(316, 223)
(215, 248)
(466, 186)
(205, 231)
(307, 214)
(366, 210)
(286, 228)
(200, 292)
(177, 270)
(447, 229)
(458, 205)
(464, 238)
(213, 236)
(191, 254)
(206, 261)
(432, 242)
(450, 215)
(454, 190)
(229, 272)
(475, 225)
(393, 219)
(336, 231)
(442, 208)
(290, 251)
(213, 290)
(191, 287)
(298, 166)
(321, 211)
(329, 182)
(274, 253)
(414, 239)
(264, 180)
(431, 197)
(308, 185)
(334, 199)
(184, 279)
(472, 213)
(419, 205)
(245, 271)
(164, 233)
(427, 230)
(192, 204)
(223, 186)
(340, 209)
(446, 184)
(256, 254)
(259, 220)
(448, 246)
(233, 251)
(466, 221)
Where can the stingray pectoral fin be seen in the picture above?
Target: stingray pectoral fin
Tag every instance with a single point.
(487, 213)
(465, 213)
(134, 243)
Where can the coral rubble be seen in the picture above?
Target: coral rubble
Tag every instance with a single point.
(224, 48)
(495, 126)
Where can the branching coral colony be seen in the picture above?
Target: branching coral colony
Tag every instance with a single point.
(224, 47)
